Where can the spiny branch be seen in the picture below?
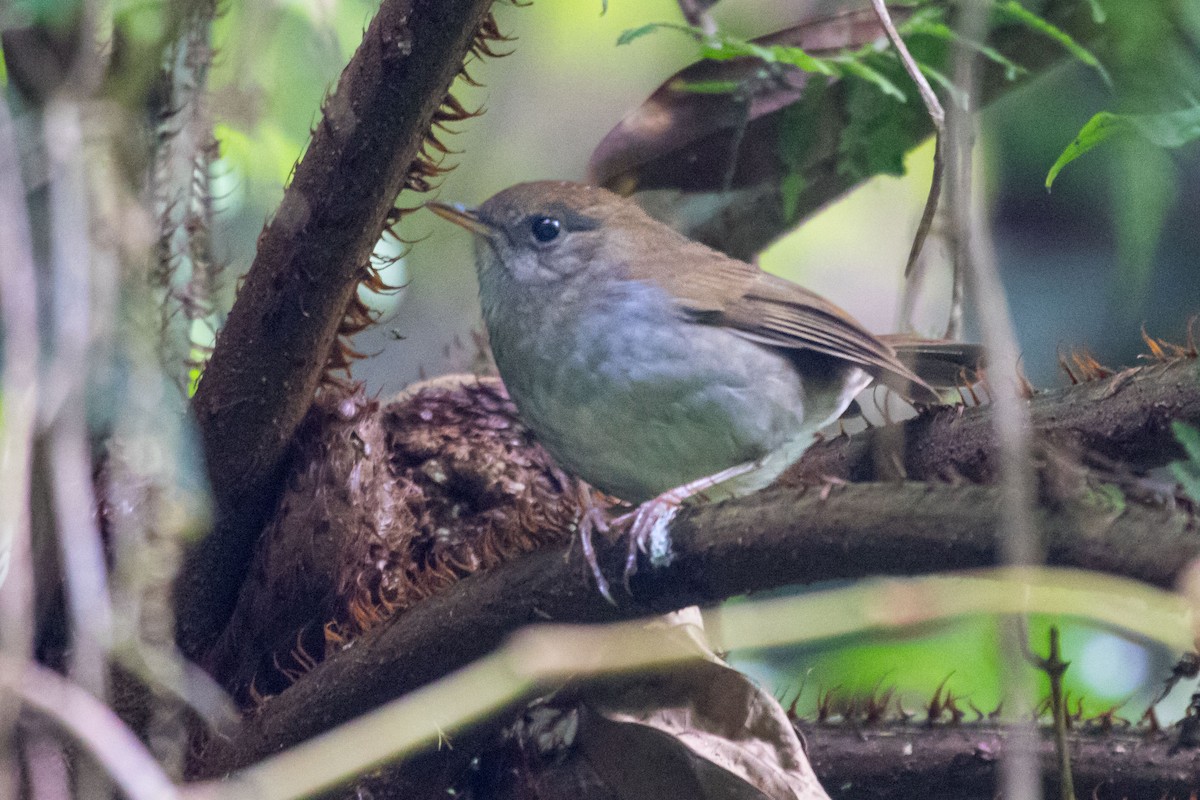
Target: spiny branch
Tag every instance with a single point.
(299, 294)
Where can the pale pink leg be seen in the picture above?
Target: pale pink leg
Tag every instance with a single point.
(591, 519)
(648, 522)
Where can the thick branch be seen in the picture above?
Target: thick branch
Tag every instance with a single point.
(767, 540)
(933, 762)
(1125, 418)
(272, 351)
(785, 537)
(960, 762)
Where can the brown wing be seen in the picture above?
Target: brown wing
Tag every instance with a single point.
(723, 291)
(939, 362)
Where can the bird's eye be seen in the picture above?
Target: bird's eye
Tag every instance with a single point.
(545, 229)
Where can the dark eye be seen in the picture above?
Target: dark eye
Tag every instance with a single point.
(545, 229)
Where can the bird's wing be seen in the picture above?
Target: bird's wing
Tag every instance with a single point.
(719, 290)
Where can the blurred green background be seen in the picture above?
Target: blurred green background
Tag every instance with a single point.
(1114, 246)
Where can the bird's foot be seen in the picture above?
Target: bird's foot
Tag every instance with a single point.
(593, 519)
(648, 523)
(647, 531)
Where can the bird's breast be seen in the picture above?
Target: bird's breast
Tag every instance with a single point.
(633, 397)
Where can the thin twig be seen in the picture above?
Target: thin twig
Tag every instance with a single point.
(932, 104)
(65, 414)
(19, 388)
(94, 726)
(975, 257)
(936, 114)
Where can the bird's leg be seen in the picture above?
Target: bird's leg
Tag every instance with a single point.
(592, 518)
(648, 522)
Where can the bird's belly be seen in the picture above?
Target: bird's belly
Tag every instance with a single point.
(638, 409)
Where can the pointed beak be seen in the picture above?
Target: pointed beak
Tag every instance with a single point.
(461, 215)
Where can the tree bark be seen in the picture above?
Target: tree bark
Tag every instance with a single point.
(274, 348)
(775, 538)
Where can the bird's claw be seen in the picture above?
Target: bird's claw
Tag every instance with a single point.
(647, 533)
(593, 519)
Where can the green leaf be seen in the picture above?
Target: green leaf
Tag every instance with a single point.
(1189, 437)
(726, 48)
(1019, 13)
(636, 33)
(1188, 477)
(798, 58)
(1172, 129)
(631, 34)
(941, 30)
(858, 69)
(876, 136)
(1098, 15)
(790, 189)
(707, 87)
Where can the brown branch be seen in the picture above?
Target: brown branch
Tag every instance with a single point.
(681, 140)
(1125, 418)
(772, 539)
(960, 762)
(271, 354)
(786, 536)
(873, 761)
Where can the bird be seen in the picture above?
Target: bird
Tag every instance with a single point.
(656, 368)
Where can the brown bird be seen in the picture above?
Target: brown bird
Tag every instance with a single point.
(656, 368)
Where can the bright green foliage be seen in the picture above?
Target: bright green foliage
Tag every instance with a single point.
(878, 132)
(1187, 472)
(1173, 129)
(723, 48)
(1018, 13)
(925, 24)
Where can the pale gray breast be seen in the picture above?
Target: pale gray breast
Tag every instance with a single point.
(632, 397)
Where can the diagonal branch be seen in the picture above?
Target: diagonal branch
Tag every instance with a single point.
(788, 536)
(771, 539)
(272, 352)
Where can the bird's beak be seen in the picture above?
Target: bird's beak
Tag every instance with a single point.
(461, 215)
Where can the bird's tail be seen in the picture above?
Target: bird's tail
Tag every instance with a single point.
(940, 363)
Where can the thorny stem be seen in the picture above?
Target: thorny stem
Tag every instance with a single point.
(1055, 667)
